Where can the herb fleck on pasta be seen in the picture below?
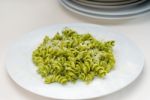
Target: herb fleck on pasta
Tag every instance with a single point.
(69, 56)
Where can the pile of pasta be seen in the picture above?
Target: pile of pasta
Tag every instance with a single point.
(69, 56)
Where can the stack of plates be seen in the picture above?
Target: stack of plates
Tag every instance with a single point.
(108, 9)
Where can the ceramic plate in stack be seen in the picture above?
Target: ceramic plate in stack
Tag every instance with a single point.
(108, 9)
(108, 3)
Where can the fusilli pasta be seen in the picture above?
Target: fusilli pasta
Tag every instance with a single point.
(69, 56)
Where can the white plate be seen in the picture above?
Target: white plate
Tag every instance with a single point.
(106, 2)
(129, 64)
(103, 13)
(113, 5)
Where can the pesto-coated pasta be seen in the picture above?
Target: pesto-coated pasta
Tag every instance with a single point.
(69, 56)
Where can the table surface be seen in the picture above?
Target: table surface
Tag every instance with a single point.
(17, 17)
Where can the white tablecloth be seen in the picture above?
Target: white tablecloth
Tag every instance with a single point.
(17, 17)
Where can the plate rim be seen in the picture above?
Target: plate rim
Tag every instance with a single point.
(109, 6)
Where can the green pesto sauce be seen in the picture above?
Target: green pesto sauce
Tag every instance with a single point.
(70, 56)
